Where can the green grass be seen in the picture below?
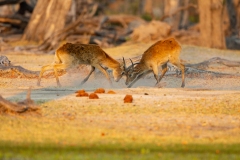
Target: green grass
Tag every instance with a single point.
(108, 151)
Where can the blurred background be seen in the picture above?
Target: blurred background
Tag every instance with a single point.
(49, 23)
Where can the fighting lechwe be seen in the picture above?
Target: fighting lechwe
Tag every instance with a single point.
(70, 55)
(159, 54)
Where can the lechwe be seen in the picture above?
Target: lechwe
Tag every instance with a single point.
(70, 55)
(159, 54)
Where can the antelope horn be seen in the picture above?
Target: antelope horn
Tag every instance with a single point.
(124, 64)
(131, 62)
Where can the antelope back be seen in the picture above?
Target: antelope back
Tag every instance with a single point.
(162, 52)
(80, 53)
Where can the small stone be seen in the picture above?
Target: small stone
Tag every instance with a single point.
(84, 94)
(99, 90)
(111, 92)
(128, 99)
(93, 96)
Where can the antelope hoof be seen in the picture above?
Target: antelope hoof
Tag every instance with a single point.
(129, 86)
(183, 85)
(161, 85)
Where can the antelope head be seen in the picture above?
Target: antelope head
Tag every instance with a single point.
(119, 71)
(131, 72)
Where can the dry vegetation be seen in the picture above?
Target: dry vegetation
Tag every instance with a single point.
(165, 116)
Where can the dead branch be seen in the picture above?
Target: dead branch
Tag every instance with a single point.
(92, 30)
(124, 20)
(20, 72)
(9, 20)
(200, 68)
(178, 10)
(218, 60)
(53, 41)
(17, 70)
(25, 106)
(193, 72)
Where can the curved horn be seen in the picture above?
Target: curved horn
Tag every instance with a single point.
(131, 62)
(124, 64)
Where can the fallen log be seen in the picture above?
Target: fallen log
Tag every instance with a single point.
(10, 20)
(20, 72)
(26, 106)
(205, 64)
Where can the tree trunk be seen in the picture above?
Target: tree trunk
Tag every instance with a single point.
(148, 5)
(237, 8)
(169, 7)
(184, 15)
(211, 23)
(232, 14)
(48, 18)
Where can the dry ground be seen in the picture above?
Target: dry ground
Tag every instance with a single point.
(207, 110)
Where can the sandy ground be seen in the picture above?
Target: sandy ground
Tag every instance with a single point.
(207, 108)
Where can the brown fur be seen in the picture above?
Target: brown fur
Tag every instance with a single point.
(70, 55)
(159, 54)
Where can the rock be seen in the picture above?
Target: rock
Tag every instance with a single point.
(128, 99)
(93, 96)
